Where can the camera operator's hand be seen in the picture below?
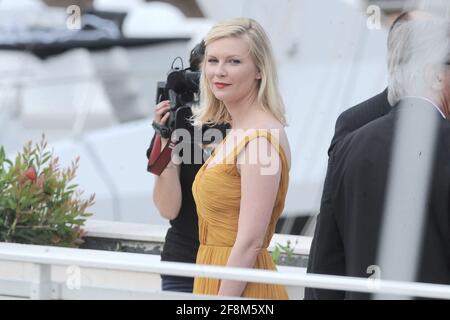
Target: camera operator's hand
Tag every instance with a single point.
(161, 116)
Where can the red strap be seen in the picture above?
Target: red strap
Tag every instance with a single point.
(158, 160)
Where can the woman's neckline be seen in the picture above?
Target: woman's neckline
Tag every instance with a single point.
(206, 166)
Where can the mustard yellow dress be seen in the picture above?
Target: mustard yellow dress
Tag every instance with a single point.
(217, 193)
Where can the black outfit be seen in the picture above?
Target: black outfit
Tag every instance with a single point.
(347, 232)
(181, 242)
(359, 115)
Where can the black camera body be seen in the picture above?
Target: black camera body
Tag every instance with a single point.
(182, 90)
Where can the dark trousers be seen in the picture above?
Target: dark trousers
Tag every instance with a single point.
(178, 284)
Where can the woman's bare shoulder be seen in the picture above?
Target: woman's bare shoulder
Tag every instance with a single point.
(278, 132)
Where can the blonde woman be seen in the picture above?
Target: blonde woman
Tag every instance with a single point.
(241, 189)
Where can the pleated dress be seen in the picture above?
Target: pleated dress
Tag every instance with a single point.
(217, 194)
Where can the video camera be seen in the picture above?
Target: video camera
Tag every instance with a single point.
(182, 89)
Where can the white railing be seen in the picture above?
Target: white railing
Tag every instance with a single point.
(157, 233)
(43, 258)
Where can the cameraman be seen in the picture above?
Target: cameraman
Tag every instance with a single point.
(173, 197)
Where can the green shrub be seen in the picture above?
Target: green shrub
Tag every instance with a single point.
(280, 250)
(39, 204)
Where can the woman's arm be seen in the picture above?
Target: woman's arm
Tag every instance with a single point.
(167, 189)
(258, 194)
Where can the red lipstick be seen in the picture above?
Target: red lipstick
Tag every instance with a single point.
(221, 85)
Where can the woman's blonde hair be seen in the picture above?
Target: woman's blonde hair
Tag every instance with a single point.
(213, 111)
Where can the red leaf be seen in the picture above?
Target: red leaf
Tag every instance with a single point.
(31, 174)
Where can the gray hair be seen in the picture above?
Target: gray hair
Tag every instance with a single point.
(435, 7)
(412, 46)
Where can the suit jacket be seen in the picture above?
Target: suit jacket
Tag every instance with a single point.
(347, 122)
(346, 238)
(359, 115)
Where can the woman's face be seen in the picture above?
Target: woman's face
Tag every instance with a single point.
(230, 70)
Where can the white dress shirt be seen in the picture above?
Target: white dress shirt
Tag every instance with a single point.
(428, 100)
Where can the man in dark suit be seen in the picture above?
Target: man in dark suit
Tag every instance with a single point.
(359, 115)
(348, 228)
